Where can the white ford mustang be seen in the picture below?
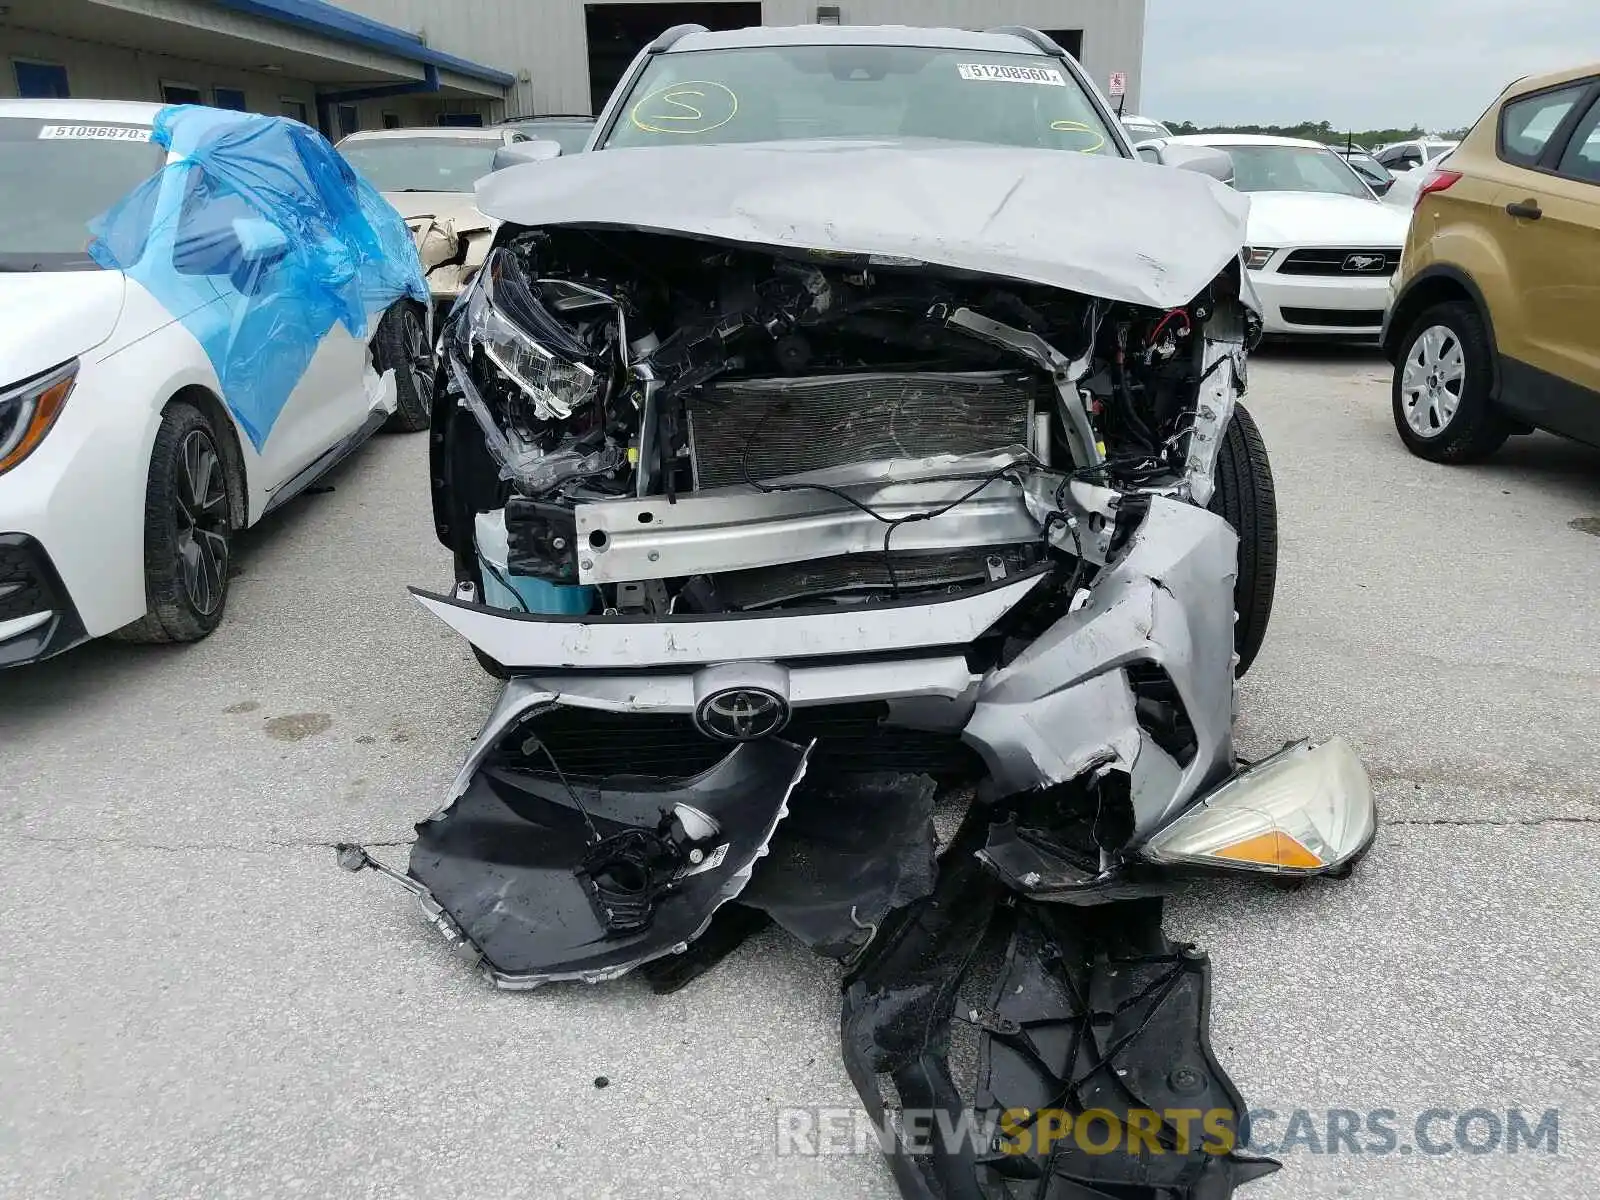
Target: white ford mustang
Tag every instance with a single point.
(1323, 247)
(200, 312)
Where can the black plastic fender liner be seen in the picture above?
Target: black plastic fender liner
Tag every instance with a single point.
(505, 861)
(1092, 1009)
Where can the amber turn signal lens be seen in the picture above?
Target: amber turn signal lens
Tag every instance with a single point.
(28, 412)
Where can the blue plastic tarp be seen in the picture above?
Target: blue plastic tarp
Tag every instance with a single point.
(259, 237)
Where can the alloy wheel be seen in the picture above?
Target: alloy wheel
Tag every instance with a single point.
(419, 356)
(202, 511)
(1432, 381)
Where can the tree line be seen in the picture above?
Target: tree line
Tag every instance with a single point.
(1318, 131)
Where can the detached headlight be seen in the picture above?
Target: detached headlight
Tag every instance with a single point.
(28, 410)
(1305, 810)
(1257, 257)
(555, 385)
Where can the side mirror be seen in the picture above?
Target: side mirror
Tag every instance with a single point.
(1186, 156)
(1382, 186)
(514, 154)
(260, 241)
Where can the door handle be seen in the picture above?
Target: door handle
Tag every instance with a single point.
(1526, 210)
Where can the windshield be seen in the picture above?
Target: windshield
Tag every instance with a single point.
(433, 164)
(1294, 169)
(571, 135)
(56, 177)
(772, 93)
(1368, 167)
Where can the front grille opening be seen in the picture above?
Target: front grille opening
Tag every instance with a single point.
(25, 580)
(1160, 711)
(1335, 318)
(595, 746)
(1354, 262)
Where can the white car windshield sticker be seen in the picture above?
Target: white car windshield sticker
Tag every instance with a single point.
(95, 133)
(1048, 76)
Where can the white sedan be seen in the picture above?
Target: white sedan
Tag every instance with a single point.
(1323, 247)
(428, 175)
(181, 351)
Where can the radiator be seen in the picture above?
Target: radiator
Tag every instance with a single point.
(774, 427)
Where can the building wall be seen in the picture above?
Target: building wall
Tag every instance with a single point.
(101, 72)
(546, 37)
(543, 43)
(517, 36)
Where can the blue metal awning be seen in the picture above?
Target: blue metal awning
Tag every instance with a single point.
(330, 21)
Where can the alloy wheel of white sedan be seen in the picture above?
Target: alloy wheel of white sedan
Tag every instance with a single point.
(201, 499)
(1432, 381)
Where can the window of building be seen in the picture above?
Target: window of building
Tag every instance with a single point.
(288, 106)
(464, 120)
(347, 119)
(391, 120)
(40, 81)
(181, 93)
(230, 98)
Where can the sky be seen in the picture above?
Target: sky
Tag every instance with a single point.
(1358, 64)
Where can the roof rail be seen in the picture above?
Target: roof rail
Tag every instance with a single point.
(670, 38)
(1032, 36)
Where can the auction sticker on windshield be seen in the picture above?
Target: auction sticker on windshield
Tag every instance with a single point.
(95, 133)
(998, 73)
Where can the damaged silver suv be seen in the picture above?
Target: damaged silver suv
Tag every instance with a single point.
(860, 419)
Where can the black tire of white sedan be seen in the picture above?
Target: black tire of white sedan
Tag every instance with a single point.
(1442, 384)
(188, 530)
(402, 345)
(1246, 499)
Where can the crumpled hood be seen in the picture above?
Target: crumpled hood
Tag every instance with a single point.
(48, 317)
(1119, 229)
(455, 209)
(1324, 219)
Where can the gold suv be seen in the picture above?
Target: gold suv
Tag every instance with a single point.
(1494, 327)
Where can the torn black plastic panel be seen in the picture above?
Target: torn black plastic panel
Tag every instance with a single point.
(552, 882)
(1091, 1009)
(1035, 863)
(853, 848)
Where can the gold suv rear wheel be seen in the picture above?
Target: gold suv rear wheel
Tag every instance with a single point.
(1442, 383)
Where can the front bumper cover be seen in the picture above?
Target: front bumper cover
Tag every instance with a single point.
(1058, 729)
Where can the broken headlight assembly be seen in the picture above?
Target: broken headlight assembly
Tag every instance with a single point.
(530, 350)
(28, 410)
(1305, 810)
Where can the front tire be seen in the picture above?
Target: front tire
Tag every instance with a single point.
(188, 532)
(1442, 381)
(401, 344)
(1246, 498)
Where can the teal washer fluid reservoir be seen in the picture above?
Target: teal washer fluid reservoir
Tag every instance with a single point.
(521, 593)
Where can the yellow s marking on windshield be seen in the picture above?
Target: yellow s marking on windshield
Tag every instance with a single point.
(696, 106)
(1080, 127)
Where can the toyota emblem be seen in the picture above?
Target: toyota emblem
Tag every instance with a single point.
(742, 714)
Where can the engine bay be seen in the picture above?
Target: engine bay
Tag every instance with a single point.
(647, 423)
